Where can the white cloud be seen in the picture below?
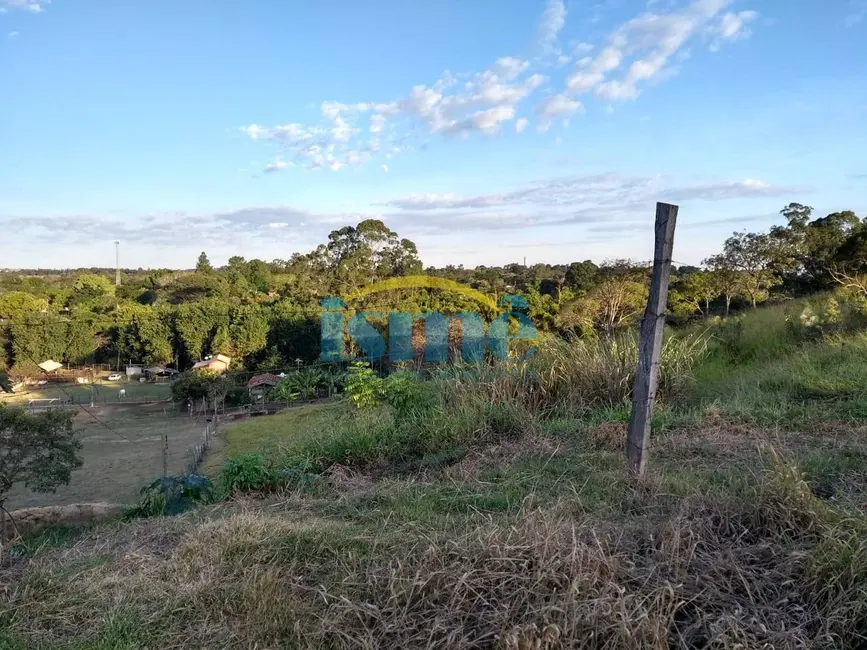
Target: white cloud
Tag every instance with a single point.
(554, 107)
(641, 51)
(722, 191)
(550, 24)
(377, 123)
(589, 73)
(33, 6)
(731, 27)
(287, 133)
(605, 200)
(341, 132)
(385, 168)
(650, 41)
(487, 121)
(13, 34)
(276, 166)
(509, 67)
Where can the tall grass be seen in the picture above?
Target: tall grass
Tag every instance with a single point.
(464, 406)
(577, 375)
(786, 365)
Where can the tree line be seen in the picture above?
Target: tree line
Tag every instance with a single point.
(265, 315)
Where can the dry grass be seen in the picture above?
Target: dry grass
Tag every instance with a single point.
(771, 567)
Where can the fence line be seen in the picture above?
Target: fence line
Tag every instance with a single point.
(197, 453)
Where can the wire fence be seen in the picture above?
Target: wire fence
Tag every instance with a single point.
(200, 450)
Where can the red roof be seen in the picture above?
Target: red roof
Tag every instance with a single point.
(266, 378)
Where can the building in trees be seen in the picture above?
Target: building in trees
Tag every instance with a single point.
(218, 363)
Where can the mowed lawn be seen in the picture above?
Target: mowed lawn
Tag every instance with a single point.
(119, 461)
(268, 433)
(103, 393)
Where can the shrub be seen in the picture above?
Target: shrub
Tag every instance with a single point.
(363, 386)
(249, 472)
(404, 391)
(172, 495)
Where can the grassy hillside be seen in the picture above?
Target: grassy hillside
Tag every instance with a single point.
(493, 510)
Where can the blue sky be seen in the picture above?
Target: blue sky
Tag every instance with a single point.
(486, 131)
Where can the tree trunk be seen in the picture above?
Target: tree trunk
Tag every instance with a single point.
(728, 303)
(706, 307)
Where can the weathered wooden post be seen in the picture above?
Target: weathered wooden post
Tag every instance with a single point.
(165, 452)
(650, 343)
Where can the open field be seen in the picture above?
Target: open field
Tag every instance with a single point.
(268, 433)
(103, 392)
(494, 510)
(116, 467)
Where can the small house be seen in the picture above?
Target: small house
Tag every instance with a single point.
(259, 384)
(218, 363)
(133, 370)
(160, 374)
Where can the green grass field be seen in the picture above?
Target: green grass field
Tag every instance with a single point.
(269, 433)
(106, 392)
(497, 512)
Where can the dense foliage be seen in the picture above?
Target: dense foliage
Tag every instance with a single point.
(172, 495)
(37, 449)
(266, 315)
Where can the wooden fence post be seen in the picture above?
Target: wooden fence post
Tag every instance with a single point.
(650, 343)
(165, 452)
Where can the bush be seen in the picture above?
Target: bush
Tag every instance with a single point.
(172, 495)
(363, 386)
(249, 472)
(404, 391)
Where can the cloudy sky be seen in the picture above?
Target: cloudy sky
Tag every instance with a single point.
(486, 131)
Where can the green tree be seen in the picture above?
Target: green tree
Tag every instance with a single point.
(370, 251)
(144, 334)
(195, 286)
(698, 290)
(725, 276)
(20, 305)
(203, 264)
(197, 323)
(91, 292)
(259, 276)
(248, 330)
(196, 386)
(39, 450)
(753, 254)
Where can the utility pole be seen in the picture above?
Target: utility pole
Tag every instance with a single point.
(116, 263)
(650, 343)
